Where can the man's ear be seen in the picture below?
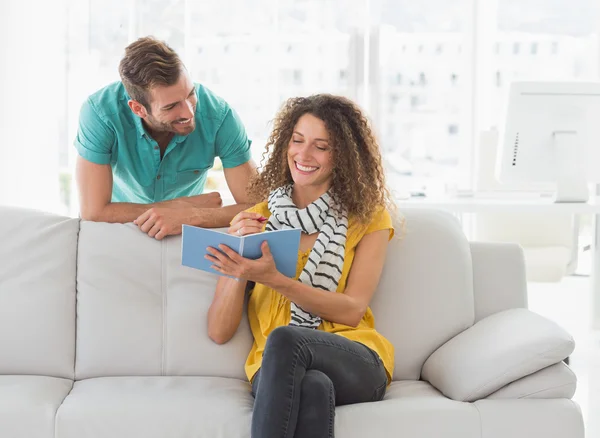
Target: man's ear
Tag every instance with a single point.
(137, 108)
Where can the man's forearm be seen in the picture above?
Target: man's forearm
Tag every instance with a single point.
(121, 212)
(208, 217)
(216, 217)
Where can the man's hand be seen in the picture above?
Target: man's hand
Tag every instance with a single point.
(167, 218)
(159, 222)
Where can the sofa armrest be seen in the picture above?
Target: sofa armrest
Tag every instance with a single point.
(499, 281)
(555, 381)
(494, 352)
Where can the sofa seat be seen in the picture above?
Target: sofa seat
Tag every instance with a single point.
(28, 405)
(156, 407)
(417, 409)
(409, 409)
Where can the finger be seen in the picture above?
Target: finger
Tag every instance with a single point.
(217, 268)
(161, 234)
(143, 217)
(146, 226)
(211, 258)
(231, 253)
(154, 230)
(246, 226)
(245, 215)
(249, 229)
(265, 249)
(214, 261)
(221, 258)
(224, 271)
(140, 223)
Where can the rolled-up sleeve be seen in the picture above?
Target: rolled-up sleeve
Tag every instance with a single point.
(232, 143)
(95, 139)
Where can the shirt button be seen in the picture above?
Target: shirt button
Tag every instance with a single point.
(158, 177)
(156, 147)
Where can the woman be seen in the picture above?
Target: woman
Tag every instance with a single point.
(313, 348)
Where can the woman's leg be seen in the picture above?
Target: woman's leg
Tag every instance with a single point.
(356, 374)
(317, 406)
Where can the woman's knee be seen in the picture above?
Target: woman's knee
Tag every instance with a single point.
(283, 338)
(317, 384)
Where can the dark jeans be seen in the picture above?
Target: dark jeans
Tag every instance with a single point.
(304, 374)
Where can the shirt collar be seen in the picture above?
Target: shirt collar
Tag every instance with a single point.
(139, 126)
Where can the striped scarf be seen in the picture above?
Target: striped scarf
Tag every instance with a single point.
(326, 259)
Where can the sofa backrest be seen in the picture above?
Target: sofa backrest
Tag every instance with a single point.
(37, 293)
(141, 313)
(425, 295)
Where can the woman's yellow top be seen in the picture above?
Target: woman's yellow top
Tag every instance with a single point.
(268, 309)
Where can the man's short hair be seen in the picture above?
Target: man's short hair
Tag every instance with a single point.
(148, 62)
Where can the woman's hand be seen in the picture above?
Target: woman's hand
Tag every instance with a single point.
(229, 262)
(247, 223)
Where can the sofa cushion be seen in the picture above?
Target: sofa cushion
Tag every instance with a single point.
(156, 407)
(496, 351)
(141, 313)
(28, 405)
(37, 293)
(425, 295)
(409, 409)
(555, 381)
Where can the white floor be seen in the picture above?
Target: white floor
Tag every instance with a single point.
(568, 303)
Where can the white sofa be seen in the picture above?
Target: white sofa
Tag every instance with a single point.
(103, 334)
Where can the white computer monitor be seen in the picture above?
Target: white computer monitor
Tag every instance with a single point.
(552, 135)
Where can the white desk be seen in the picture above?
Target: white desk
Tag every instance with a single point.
(525, 205)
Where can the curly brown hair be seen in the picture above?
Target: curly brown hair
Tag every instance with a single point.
(148, 62)
(358, 176)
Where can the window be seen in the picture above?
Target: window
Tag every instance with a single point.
(534, 48)
(418, 66)
(418, 125)
(298, 77)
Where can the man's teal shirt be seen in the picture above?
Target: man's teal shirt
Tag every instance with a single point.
(110, 133)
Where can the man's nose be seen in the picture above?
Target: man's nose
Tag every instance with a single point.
(187, 111)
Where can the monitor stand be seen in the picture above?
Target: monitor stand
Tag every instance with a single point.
(571, 185)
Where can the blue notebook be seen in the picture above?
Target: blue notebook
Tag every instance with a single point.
(283, 244)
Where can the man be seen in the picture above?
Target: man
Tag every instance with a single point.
(146, 143)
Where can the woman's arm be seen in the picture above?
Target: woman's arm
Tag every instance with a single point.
(349, 307)
(226, 309)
